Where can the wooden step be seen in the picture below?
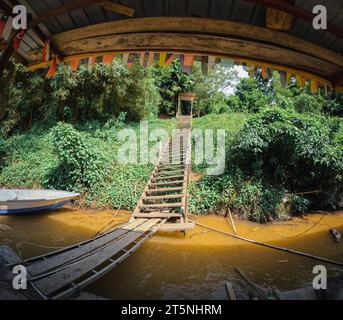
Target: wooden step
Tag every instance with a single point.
(167, 177)
(156, 215)
(176, 149)
(166, 183)
(169, 172)
(164, 189)
(162, 205)
(169, 196)
(174, 154)
(170, 166)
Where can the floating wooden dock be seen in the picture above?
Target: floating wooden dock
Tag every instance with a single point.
(162, 206)
(62, 273)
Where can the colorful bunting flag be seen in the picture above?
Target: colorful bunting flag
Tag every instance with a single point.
(146, 59)
(18, 39)
(46, 51)
(169, 59)
(289, 78)
(143, 58)
(187, 61)
(162, 59)
(74, 64)
(52, 70)
(314, 86)
(283, 79)
(108, 58)
(264, 72)
(151, 59)
(91, 61)
(211, 62)
(251, 69)
(300, 81)
(131, 59)
(269, 73)
(6, 28)
(204, 65)
(125, 58)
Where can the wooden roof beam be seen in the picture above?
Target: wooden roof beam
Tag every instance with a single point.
(197, 26)
(118, 8)
(297, 12)
(78, 4)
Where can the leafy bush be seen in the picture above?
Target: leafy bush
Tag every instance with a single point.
(298, 152)
(333, 105)
(252, 96)
(80, 166)
(250, 199)
(305, 102)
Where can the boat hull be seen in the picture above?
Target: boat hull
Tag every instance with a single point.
(25, 205)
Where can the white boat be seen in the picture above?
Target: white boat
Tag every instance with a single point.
(28, 201)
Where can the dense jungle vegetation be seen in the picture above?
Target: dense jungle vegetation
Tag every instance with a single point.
(280, 142)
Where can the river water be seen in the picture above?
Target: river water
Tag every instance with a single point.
(191, 266)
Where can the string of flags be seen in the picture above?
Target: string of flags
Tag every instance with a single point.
(6, 29)
(146, 59)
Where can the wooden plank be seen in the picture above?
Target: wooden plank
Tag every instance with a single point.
(78, 4)
(118, 8)
(67, 256)
(230, 291)
(167, 177)
(168, 196)
(163, 190)
(162, 205)
(205, 44)
(168, 172)
(199, 26)
(62, 278)
(166, 183)
(157, 215)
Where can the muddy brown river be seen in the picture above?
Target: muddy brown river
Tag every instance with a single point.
(191, 266)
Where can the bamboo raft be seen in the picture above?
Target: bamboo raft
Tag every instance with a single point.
(162, 206)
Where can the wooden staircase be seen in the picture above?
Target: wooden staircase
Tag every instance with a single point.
(165, 195)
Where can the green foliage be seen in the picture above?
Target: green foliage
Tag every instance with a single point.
(80, 165)
(250, 199)
(305, 102)
(2, 151)
(28, 161)
(95, 93)
(333, 105)
(125, 186)
(292, 150)
(171, 81)
(251, 96)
